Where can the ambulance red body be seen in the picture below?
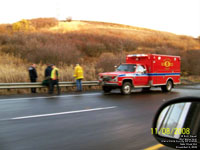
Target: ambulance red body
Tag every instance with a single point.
(143, 71)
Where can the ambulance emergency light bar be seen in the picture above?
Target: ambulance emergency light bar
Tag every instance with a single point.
(138, 55)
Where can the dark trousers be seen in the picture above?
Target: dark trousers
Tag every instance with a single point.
(33, 90)
(52, 83)
(49, 85)
(78, 85)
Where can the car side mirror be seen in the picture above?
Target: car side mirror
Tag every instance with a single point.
(177, 123)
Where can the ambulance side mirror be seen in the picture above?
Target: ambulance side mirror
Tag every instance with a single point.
(143, 71)
(177, 123)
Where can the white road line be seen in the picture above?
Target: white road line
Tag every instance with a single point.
(62, 113)
(27, 98)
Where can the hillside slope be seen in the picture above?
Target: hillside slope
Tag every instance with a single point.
(141, 36)
(46, 40)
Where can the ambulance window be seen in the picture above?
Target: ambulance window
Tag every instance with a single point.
(140, 69)
(126, 67)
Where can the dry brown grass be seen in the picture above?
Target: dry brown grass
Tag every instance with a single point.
(13, 69)
(190, 79)
(195, 79)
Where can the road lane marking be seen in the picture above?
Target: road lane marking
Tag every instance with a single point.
(63, 113)
(45, 97)
(155, 147)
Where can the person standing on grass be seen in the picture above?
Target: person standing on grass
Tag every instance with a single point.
(78, 74)
(33, 75)
(54, 80)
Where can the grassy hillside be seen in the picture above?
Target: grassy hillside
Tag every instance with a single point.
(97, 45)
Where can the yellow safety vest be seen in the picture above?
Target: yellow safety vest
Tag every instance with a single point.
(78, 72)
(54, 75)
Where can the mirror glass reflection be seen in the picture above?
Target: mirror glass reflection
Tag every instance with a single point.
(171, 120)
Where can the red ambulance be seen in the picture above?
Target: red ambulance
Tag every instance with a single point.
(143, 71)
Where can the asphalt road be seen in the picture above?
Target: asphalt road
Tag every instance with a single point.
(82, 121)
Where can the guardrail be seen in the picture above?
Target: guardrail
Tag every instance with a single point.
(39, 85)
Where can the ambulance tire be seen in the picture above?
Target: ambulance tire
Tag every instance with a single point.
(168, 87)
(106, 89)
(126, 88)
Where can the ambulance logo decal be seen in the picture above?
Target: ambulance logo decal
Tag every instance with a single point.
(167, 63)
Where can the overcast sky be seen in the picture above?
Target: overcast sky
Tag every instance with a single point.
(176, 16)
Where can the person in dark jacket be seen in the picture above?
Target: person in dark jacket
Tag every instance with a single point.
(47, 75)
(33, 75)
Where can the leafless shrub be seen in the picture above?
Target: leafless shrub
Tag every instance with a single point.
(39, 23)
(69, 19)
(93, 49)
(108, 61)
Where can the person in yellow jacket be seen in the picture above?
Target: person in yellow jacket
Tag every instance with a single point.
(78, 74)
(54, 79)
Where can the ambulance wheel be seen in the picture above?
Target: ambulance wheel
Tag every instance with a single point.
(168, 87)
(106, 89)
(126, 88)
